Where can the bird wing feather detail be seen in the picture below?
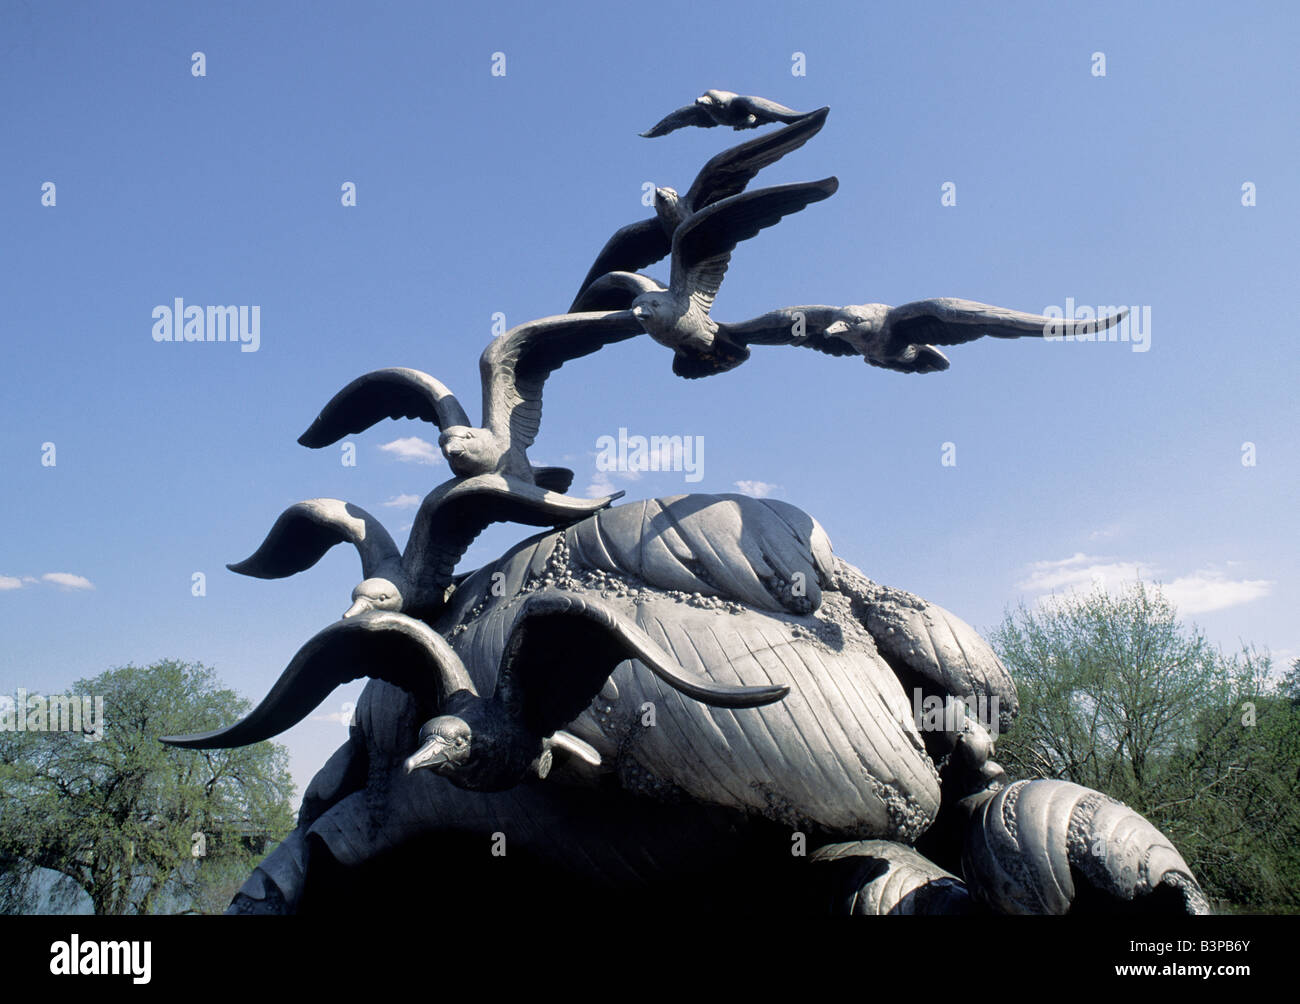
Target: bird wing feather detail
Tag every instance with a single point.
(305, 531)
(381, 644)
(514, 366)
(952, 321)
(702, 245)
(729, 172)
(396, 392)
(632, 248)
(687, 115)
(457, 511)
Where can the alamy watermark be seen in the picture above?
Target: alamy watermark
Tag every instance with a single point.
(179, 323)
(651, 453)
(935, 713)
(56, 713)
(1135, 327)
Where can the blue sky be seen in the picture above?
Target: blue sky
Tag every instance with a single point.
(478, 194)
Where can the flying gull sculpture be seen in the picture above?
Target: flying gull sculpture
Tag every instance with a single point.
(419, 579)
(678, 315)
(513, 369)
(647, 241)
(902, 338)
(715, 108)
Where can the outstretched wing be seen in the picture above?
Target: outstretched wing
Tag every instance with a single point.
(381, 644)
(687, 115)
(515, 366)
(950, 321)
(703, 244)
(643, 243)
(633, 247)
(306, 530)
(396, 392)
(614, 291)
(803, 326)
(563, 648)
(729, 172)
(457, 511)
(765, 110)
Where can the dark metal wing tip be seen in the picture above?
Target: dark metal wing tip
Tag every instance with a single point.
(757, 697)
(198, 740)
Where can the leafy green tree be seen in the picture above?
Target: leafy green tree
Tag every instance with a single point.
(1118, 695)
(139, 826)
(1233, 795)
(1108, 684)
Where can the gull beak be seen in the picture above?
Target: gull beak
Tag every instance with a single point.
(431, 754)
(837, 328)
(640, 313)
(358, 607)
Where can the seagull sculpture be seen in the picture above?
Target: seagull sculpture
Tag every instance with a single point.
(715, 108)
(419, 580)
(561, 649)
(513, 369)
(902, 338)
(678, 315)
(645, 242)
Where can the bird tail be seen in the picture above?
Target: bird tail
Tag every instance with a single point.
(722, 356)
(553, 479)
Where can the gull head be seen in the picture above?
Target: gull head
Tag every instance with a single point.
(468, 451)
(374, 594)
(714, 98)
(445, 745)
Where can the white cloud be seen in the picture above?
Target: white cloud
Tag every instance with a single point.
(67, 580)
(343, 717)
(10, 582)
(1081, 571)
(413, 450)
(758, 489)
(403, 502)
(600, 486)
(1198, 592)
(1208, 590)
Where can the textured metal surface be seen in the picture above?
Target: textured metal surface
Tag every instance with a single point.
(1037, 847)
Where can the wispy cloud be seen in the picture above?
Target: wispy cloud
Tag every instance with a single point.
(413, 450)
(403, 502)
(758, 489)
(66, 580)
(1208, 590)
(343, 717)
(1198, 592)
(1081, 571)
(600, 486)
(10, 582)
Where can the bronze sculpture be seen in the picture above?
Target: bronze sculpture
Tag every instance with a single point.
(719, 684)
